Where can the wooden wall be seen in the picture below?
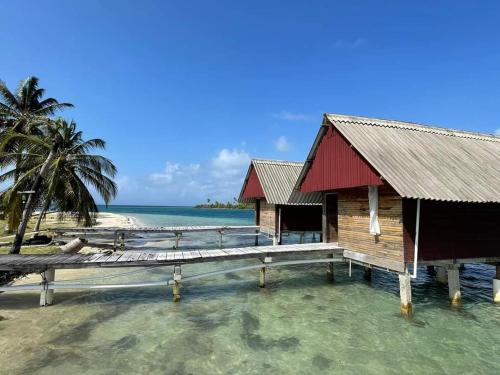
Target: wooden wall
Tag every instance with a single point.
(353, 223)
(452, 230)
(267, 217)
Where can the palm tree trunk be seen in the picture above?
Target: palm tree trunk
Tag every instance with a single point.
(42, 213)
(28, 208)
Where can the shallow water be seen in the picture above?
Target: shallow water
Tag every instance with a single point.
(225, 324)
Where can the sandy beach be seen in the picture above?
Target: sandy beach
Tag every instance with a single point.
(107, 219)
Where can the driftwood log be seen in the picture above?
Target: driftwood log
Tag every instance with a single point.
(74, 246)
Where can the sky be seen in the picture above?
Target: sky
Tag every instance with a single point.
(185, 93)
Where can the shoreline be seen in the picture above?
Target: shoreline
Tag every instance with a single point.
(109, 219)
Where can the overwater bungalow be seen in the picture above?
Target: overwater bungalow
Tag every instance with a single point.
(398, 195)
(279, 208)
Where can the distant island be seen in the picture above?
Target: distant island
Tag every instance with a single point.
(234, 205)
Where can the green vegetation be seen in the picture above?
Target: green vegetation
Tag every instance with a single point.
(234, 205)
(48, 158)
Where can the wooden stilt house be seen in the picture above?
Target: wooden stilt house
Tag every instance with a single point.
(279, 208)
(397, 195)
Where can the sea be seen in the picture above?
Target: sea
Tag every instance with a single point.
(299, 324)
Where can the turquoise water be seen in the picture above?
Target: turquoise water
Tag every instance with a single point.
(299, 323)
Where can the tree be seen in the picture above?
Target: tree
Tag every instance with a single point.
(59, 162)
(23, 112)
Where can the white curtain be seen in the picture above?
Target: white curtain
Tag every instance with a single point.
(373, 204)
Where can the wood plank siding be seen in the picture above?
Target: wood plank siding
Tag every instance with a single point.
(452, 230)
(353, 223)
(337, 165)
(267, 217)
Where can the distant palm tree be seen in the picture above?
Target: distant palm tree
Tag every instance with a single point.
(60, 162)
(24, 112)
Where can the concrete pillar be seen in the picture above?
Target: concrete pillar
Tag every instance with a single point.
(262, 277)
(47, 295)
(454, 284)
(441, 275)
(176, 289)
(496, 285)
(405, 294)
(368, 274)
(330, 276)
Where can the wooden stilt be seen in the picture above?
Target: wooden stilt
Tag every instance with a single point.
(329, 271)
(454, 284)
(441, 275)
(122, 241)
(220, 239)
(275, 240)
(262, 277)
(177, 238)
(256, 238)
(431, 270)
(368, 274)
(47, 295)
(176, 289)
(405, 294)
(302, 235)
(496, 285)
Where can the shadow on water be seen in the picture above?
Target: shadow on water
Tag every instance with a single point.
(250, 325)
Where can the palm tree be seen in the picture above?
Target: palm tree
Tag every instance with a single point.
(24, 112)
(60, 162)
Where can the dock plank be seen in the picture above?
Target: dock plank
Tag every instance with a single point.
(151, 257)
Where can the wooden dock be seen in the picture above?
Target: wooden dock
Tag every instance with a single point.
(32, 263)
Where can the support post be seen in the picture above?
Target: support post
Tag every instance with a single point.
(405, 294)
(176, 289)
(115, 241)
(302, 235)
(275, 240)
(496, 285)
(220, 239)
(47, 295)
(454, 284)
(441, 275)
(262, 277)
(177, 238)
(368, 274)
(122, 241)
(329, 270)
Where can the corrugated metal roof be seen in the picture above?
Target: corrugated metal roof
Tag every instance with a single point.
(425, 162)
(278, 179)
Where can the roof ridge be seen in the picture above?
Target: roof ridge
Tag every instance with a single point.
(273, 161)
(371, 121)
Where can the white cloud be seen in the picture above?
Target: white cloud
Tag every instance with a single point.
(291, 116)
(218, 178)
(229, 163)
(497, 132)
(282, 144)
(173, 172)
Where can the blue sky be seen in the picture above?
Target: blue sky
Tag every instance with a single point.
(186, 92)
